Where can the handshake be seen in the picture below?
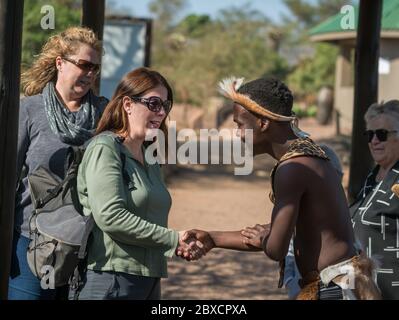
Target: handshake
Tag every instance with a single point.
(194, 244)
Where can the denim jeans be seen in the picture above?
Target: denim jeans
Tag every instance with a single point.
(291, 273)
(23, 284)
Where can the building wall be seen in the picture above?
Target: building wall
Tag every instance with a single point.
(343, 93)
(388, 84)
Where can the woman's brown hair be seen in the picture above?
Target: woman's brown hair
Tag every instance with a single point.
(134, 84)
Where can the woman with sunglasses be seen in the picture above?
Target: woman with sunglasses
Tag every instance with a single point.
(375, 213)
(126, 195)
(58, 110)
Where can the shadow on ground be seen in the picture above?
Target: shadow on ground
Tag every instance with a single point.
(224, 274)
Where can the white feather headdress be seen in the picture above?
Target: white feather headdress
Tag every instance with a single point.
(228, 87)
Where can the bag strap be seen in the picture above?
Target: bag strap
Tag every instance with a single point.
(51, 194)
(54, 192)
(73, 159)
(89, 228)
(76, 281)
(125, 174)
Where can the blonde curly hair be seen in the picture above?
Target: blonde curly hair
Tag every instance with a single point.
(63, 44)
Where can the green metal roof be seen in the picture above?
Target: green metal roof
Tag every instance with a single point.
(390, 20)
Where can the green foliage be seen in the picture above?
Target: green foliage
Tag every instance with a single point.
(314, 72)
(165, 11)
(308, 15)
(67, 13)
(310, 111)
(199, 52)
(196, 52)
(194, 25)
(310, 71)
(302, 11)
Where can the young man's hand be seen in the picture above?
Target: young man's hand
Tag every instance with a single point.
(254, 236)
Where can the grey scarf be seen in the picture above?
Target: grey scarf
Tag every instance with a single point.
(72, 127)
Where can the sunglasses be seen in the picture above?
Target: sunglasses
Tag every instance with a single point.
(382, 134)
(84, 65)
(154, 104)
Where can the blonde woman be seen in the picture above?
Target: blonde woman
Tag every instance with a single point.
(59, 110)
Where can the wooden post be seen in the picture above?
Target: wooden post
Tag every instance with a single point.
(366, 89)
(93, 12)
(148, 42)
(11, 15)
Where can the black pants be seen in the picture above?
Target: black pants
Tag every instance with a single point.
(330, 292)
(119, 286)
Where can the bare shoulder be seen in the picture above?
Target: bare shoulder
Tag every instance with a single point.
(299, 164)
(307, 161)
(299, 170)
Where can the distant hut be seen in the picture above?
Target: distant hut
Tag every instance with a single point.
(330, 31)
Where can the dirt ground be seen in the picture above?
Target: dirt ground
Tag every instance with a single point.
(212, 198)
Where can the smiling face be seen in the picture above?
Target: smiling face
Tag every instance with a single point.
(385, 153)
(141, 119)
(73, 80)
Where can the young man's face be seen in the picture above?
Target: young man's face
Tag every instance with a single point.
(246, 121)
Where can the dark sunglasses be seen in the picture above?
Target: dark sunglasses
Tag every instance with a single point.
(382, 134)
(154, 104)
(84, 65)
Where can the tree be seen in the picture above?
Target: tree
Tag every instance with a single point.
(199, 52)
(314, 64)
(194, 25)
(301, 11)
(166, 11)
(66, 13)
(307, 15)
(314, 72)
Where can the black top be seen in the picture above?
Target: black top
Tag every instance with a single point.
(375, 217)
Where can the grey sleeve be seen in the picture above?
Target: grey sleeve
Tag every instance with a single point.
(23, 136)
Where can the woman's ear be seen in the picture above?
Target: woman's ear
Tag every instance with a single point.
(264, 124)
(127, 105)
(58, 63)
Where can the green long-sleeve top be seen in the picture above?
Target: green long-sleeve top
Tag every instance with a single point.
(130, 213)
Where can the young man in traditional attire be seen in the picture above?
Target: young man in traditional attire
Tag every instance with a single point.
(309, 201)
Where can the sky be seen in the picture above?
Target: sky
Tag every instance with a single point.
(271, 8)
